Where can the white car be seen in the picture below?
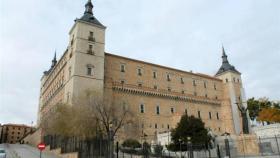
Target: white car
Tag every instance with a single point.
(2, 153)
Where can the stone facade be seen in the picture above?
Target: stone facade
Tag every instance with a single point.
(13, 133)
(158, 95)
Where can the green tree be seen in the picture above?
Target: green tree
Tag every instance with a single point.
(253, 108)
(189, 127)
(131, 143)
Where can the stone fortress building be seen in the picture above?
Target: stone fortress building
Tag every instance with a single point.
(158, 95)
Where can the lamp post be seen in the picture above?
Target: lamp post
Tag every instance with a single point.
(190, 147)
(180, 147)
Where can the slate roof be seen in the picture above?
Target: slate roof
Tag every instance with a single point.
(226, 66)
(88, 15)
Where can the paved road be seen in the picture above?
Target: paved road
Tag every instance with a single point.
(24, 151)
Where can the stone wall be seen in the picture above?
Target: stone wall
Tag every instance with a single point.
(33, 139)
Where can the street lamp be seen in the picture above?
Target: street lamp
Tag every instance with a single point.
(180, 146)
(190, 147)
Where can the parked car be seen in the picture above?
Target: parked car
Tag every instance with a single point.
(2, 153)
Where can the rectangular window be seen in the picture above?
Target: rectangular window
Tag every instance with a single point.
(90, 37)
(142, 108)
(205, 85)
(90, 51)
(168, 77)
(194, 83)
(155, 126)
(155, 87)
(182, 80)
(215, 87)
(206, 96)
(183, 92)
(122, 81)
(122, 68)
(186, 112)
(154, 74)
(89, 71)
(139, 84)
(233, 79)
(168, 126)
(198, 114)
(172, 110)
(139, 72)
(217, 115)
(169, 89)
(157, 110)
(210, 115)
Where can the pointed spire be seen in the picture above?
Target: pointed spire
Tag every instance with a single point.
(224, 56)
(54, 61)
(89, 7)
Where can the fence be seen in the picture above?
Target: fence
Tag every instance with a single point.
(228, 146)
(90, 148)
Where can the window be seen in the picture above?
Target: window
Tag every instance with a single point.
(216, 97)
(17, 137)
(182, 80)
(183, 92)
(154, 74)
(168, 77)
(157, 110)
(139, 72)
(90, 51)
(169, 89)
(217, 115)
(155, 87)
(142, 108)
(238, 80)
(139, 84)
(215, 87)
(122, 68)
(226, 80)
(168, 126)
(186, 112)
(155, 126)
(194, 83)
(233, 79)
(210, 115)
(205, 85)
(18, 132)
(90, 37)
(172, 110)
(122, 81)
(219, 129)
(89, 71)
(206, 96)
(195, 94)
(198, 114)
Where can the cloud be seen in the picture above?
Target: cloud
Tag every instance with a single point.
(177, 33)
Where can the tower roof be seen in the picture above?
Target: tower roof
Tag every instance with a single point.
(88, 15)
(226, 66)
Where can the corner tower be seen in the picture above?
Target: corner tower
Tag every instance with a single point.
(233, 92)
(86, 55)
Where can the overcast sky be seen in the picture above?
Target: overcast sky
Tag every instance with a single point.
(183, 34)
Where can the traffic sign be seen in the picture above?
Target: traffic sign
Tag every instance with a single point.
(41, 146)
